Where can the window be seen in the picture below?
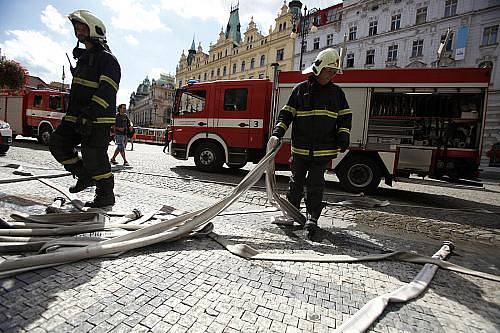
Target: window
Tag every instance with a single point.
(192, 101)
(235, 99)
(372, 30)
(252, 63)
(280, 54)
(281, 27)
(490, 35)
(234, 68)
(212, 74)
(243, 66)
(224, 71)
(370, 57)
(55, 103)
(218, 71)
(329, 40)
(284, 26)
(450, 8)
(226, 53)
(350, 60)
(418, 47)
(316, 43)
(262, 60)
(37, 101)
(352, 32)
(332, 16)
(395, 22)
(421, 15)
(205, 77)
(449, 45)
(392, 54)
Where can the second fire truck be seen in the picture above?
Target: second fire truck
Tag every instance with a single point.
(428, 122)
(33, 113)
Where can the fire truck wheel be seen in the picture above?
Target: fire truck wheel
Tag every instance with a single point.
(208, 157)
(237, 166)
(359, 174)
(44, 135)
(4, 149)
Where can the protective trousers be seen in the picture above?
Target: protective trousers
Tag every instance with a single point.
(94, 163)
(311, 173)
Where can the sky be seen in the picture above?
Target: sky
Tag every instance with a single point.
(147, 37)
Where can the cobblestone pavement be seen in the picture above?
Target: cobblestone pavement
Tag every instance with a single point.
(196, 286)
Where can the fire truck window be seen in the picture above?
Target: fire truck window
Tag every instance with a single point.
(235, 99)
(192, 101)
(55, 103)
(37, 101)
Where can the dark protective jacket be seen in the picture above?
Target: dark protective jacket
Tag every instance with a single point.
(321, 119)
(95, 83)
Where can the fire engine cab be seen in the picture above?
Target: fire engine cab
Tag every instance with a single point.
(405, 121)
(35, 113)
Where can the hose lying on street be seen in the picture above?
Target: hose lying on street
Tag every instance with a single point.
(183, 225)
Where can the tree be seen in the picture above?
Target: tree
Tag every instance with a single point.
(12, 75)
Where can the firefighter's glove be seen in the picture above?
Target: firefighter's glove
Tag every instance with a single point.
(343, 144)
(273, 142)
(83, 125)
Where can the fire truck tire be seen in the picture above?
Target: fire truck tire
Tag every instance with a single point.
(237, 166)
(44, 135)
(208, 157)
(4, 149)
(359, 174)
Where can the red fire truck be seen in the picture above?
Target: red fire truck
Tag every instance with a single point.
(34, 113)
(405, 121)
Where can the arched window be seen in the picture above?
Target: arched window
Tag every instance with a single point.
(218, 71)
(243, 66)
(262, 60)
(212, 74)
(252, 63)
(234, 68)
(224, 71)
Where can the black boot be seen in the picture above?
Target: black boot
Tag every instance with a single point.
(311, 229)
(81, 184)
(104, 195)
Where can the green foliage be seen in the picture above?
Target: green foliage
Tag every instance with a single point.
(12, 75)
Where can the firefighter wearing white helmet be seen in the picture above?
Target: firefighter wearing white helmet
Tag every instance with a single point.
(321, 129)
(91, 111)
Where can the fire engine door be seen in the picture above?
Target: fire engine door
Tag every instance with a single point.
(232, 118)
(191, 118)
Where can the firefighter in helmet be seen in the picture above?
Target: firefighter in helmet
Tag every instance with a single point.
(321, 128)
(91, 111)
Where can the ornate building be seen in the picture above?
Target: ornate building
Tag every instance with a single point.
(237, 56)
(151, 104)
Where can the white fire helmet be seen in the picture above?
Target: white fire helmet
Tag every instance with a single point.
(326, 58)
(95, 24)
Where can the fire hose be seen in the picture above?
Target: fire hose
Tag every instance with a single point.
(184, 225)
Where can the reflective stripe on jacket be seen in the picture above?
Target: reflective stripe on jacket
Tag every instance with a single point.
(96, 79)
(321, 119)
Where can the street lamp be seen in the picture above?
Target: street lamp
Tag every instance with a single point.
(300, 24)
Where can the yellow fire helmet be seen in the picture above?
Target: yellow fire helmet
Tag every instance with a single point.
(326, 58)
(95, 24)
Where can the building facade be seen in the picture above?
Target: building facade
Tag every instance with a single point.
(408, 33)
(240, 56)
(151, 104)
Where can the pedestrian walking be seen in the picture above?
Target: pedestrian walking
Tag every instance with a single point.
(321, 128)
(167, 140)
(91, 111)
(131, 134)
(121, 129)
